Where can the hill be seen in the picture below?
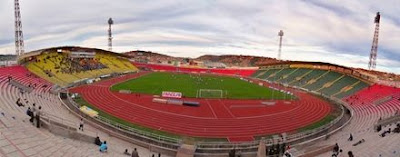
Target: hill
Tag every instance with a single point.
(229, 60)
(7, 57)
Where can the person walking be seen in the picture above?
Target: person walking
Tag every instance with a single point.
(38, 114)
(351, 137)
(135, 153)
(81, 124)
(30, 114)
(33, 113)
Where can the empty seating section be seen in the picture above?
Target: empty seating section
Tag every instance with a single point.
(366, 114)
(258, 72)
(23, 76)
(339, 85)
(294, 76)
(352, 89)
(281, 74)
(114, 63)
(315, 73)
(268, 73)
(321, 81)
(59, 69)
(330, 83)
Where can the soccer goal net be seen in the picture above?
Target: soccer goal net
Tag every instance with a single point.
(211, 93)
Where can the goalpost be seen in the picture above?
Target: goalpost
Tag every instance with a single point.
(211, 93)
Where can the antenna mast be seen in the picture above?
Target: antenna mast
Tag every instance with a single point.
(19, 37)
(374, 48)
(280, 34)
(110, 22)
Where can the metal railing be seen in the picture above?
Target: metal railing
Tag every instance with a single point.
(50, 117)
(53, 120)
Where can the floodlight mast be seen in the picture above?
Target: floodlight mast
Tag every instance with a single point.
(110, 22)
(374, 48)
(19, 37)
(280, 34)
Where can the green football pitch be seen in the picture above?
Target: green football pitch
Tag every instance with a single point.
(190, 85)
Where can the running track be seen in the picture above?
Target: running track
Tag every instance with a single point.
(236, 120)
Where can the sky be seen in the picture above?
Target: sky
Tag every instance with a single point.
(333, 31)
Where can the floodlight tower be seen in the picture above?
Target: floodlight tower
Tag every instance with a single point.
(110, 22)
(374, 48)
(280, 34)
(19, 37)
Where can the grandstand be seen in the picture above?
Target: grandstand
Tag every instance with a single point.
(328, 82)
(19, 138)
(66, 65)
(366, 115)
(365, 104)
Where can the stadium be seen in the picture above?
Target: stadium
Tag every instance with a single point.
(83, 101)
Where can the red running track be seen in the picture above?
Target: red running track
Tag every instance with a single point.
(237, 120)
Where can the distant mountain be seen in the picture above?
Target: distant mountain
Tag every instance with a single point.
(7, 57)
(229, 60)
(238, 60)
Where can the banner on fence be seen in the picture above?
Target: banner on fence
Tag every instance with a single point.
(89, 111)
(168, 94)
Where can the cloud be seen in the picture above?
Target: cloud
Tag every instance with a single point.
(332, 31)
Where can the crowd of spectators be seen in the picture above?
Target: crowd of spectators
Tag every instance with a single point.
(66, 65)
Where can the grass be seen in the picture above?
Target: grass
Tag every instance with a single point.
(190, 84)
(114, 119)
(335, 112)
(318, 124)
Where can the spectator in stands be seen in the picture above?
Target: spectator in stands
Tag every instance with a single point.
(19, 103)
(359, 142)
(287, 154)
(81, 124)
(97, 141)
(103, 147)
(232, 152)
(126, 152)
(38, 114)
(30, 114)
(379, 128)
(336, 149)
(350, 153)
(351, 137)
(135, 153)
(9, 78)
(33, 113)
